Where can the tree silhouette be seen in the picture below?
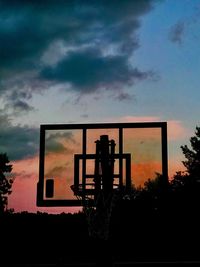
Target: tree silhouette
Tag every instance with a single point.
(154, 186)
(191, 177)
(192, 162)
(5, 181)
(153, 191)
(186, 185)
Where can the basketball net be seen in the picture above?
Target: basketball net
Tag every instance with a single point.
(99, 215)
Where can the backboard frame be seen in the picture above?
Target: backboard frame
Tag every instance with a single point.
(41, 202)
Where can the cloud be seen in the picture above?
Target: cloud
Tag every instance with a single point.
(187, 27)
(18, 142)
(175, 128)
(177, 32)
(56, 171)
(26, 173)
(137, 119)
(88, 70)
(121, 96)
(40, 40)
(56, 143)
(19, 106)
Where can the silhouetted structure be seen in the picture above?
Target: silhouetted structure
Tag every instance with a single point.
(103, 176)
(46, 185)
(104, 166)
(102, 192)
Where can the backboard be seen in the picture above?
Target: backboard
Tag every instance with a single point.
(68, 158)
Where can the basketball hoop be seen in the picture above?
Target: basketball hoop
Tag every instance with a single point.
(98, 198)
(99, 215)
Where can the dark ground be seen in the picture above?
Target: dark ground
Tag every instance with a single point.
(150, 236)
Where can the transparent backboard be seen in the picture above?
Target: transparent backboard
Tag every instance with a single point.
(145, 144)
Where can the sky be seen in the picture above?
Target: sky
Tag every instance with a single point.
(95, 61)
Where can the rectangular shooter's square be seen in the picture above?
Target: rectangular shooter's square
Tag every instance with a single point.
(68, 156)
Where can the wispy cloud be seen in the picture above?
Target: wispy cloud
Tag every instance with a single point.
(176, 129)
(185, 27)
(177, 32)
(56, 143)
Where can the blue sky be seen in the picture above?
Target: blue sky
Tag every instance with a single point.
(97, 61)
(172, 93)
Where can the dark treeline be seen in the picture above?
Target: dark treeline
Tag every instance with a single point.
(144, 228)
(158, 222)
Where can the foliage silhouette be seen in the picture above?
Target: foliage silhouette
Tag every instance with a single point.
(5, 181)
(185, 185)
(192, 162)
(189, 180)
